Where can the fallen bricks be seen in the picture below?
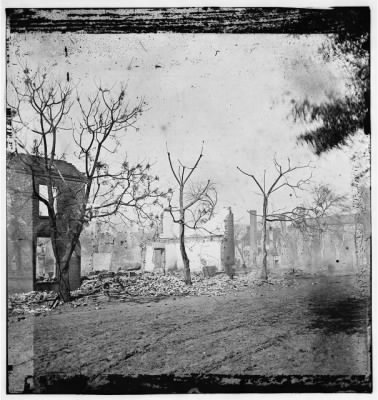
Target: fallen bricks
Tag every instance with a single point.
(33, 302)
(105, 287)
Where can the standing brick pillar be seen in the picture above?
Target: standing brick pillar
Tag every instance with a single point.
(253, 236)
(228, 245)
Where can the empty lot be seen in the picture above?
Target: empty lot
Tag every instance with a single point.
(319, 327)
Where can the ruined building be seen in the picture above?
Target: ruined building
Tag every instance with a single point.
(212, 248)
(253, 237)
(30, 258)
(332, 248)
(228, 243)
(105, 248)
(289, 248)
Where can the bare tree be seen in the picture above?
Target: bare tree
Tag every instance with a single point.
(313, 217)
(195, 205)
(41, 110)
(281, 181)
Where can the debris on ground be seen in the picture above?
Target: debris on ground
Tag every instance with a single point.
(105, 287)
(34, 302)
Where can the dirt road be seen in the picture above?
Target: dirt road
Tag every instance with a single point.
(319, 327)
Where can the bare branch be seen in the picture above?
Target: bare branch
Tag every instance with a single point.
(105, 191)
(195, 165)
(172, 169)
(252, 176)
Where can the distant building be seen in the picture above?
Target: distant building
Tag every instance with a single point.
(213, 247)
(288, 247)
(333, 248)
(30, 258)
(106, 249)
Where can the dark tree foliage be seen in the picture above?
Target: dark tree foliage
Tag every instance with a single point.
(338, 119)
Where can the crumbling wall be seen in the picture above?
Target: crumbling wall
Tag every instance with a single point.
(109, 251)
(204, 252)
(20, 251)
(252, 238)
(25, 224)
(201, 252)
(228, 244)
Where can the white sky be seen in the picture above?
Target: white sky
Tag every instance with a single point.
(232, 91)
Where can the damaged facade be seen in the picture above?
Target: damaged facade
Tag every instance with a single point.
(213, 251)
(30, 258)
(333, 249)
(288, 248)
(31, 264)
(107, 249)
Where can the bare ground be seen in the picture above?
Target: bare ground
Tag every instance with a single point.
(320, 327)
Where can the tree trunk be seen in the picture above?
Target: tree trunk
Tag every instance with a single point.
(264, 272)
(185, 259)
(64, 285)
(62, 259)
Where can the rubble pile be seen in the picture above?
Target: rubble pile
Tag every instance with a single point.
(104, 287)
(155, 285)
(32, 302)
(146, 285)
(220, 284)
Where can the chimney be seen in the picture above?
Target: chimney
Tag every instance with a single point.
(253, 236)
(228, 245)
(253, 230)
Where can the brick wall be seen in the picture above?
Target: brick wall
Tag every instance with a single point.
(24, 226)
(69, 194)
(20, 246)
